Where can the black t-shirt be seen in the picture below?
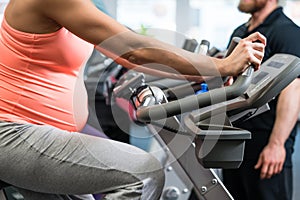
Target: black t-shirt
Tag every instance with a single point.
(283, 36)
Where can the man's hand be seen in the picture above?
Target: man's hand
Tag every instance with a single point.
(271, 160)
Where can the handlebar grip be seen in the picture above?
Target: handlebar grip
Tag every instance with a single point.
(233, 43)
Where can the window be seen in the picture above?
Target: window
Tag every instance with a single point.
(213, 20)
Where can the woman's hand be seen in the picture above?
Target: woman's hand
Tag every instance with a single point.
(249, 51)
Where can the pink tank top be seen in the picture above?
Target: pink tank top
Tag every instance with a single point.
(41, 79)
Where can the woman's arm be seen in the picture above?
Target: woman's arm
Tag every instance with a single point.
(130, 49)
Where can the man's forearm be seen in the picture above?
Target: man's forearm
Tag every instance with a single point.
(288, 108)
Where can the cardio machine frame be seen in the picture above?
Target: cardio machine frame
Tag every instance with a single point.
(243, 100)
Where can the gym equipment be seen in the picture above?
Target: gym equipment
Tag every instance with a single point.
(8, 192)
(196, 132)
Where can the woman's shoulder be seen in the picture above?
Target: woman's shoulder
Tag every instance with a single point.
(27, 16)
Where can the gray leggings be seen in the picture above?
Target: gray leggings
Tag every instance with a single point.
(44, 162)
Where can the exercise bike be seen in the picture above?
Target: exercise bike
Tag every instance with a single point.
(194, 133)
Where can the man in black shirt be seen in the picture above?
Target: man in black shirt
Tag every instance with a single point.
(266, 172)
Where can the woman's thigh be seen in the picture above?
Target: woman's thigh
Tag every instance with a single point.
(46, 159)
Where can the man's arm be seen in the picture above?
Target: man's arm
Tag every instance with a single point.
(272, 157)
